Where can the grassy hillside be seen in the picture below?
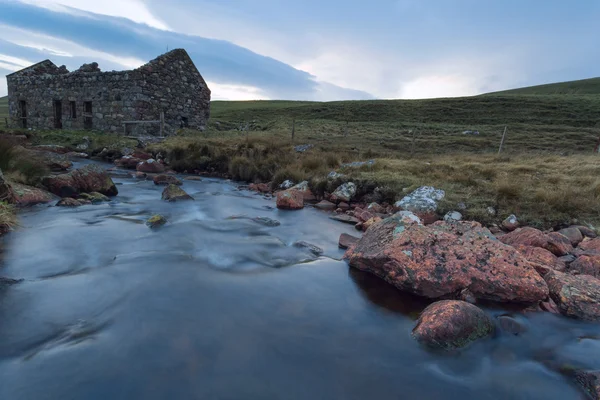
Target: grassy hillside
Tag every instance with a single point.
(3, 109)
(584, 86)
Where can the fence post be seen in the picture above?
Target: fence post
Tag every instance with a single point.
(502, 141)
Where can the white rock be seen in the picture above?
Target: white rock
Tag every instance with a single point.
(453, 216)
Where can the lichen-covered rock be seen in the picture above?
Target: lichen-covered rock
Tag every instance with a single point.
(511, 223)
(164, 179)
(287, 184)
(586, 265)
(69, 202)
(576, 296)
(347, 241)
(345, 192)
(535, 238)
(451, 324)
(542, 260)
(150, 166)
(573, 234)
(91, 178)
(175, 193)
(303, 188)
(290, 200)
(28, 196)
(156, 220)
(443, 259)
(423, 202)
(453, 216)
(128, 162)
(93, 197)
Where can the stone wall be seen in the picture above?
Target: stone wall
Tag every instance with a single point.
(170, 84)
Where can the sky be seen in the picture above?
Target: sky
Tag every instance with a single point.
(317, 49)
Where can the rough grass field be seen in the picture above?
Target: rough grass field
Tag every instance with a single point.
(547, 173)
(3, 109)
(583, 86)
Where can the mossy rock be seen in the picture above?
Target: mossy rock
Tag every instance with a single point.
(156, 221)
(94, 197)
(175, 193)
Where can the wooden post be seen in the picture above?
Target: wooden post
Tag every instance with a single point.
(293, 128)
(412, 146)
(162, 124)
(502, 141)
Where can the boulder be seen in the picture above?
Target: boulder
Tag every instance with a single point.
(562, 242)
(541, 259)
(287, 184)
(451, 324)
(573, 234)
(443, 259)
(163, 179)
(376, 208)
(587, 232)
(363, 215)
(141, 155)
(590, 245)
(576, 296)
(91, 178)
(28, 196)
(193, 178)
(260, 187)
(69, 202)
(344, 193)
(150, 166)
(128, 162)
(347, 241)
(423, 202)
(303, 188)
(535, 238)
(93, 197)
(325, 205)
(589, 381)
(156, 220)
(175, 193)
(73, 154)
(51, 160)
(370, 222)
(290, 200)
(586, 265)
(453, 216)
(511, 223)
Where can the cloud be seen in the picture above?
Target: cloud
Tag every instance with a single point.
(62, 36)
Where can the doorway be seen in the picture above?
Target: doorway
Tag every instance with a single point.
(57, 114)
(87, 115)
(23, 113)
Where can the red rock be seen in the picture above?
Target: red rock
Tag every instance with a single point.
(344, 206)
(451, 324)
(573, 234)
(348, 219)
(141, 155)
(28, 196)
(576, 296)
(511, 223)
(151, 166)
(166, 180)
(91, 178)
(260, 187)
(290, 200)
(586, 265)
(443, 259)
(372, 221)
(69, 202)
(141, 175)
(590, 245)
(347, 241)
(192, 178)
(363, 215)
(541, 259)
(128, 162)
(535, 238)
(325, 205)
(549, 306)
(376, 208)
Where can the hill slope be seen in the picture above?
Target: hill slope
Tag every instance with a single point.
(584, 86)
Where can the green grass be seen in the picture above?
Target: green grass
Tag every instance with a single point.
(580, 87)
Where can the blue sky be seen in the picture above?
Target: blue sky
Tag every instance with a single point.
(317, 50)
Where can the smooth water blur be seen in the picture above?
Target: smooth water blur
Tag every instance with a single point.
(214, 307)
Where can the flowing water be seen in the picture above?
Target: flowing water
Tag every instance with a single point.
(216, 305)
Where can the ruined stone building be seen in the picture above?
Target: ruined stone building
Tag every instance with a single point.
(166, 94)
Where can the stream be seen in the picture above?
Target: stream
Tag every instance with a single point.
(218, 305)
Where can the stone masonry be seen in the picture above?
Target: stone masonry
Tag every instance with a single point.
(44, 96)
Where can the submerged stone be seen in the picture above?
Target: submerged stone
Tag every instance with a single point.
(156, 220)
